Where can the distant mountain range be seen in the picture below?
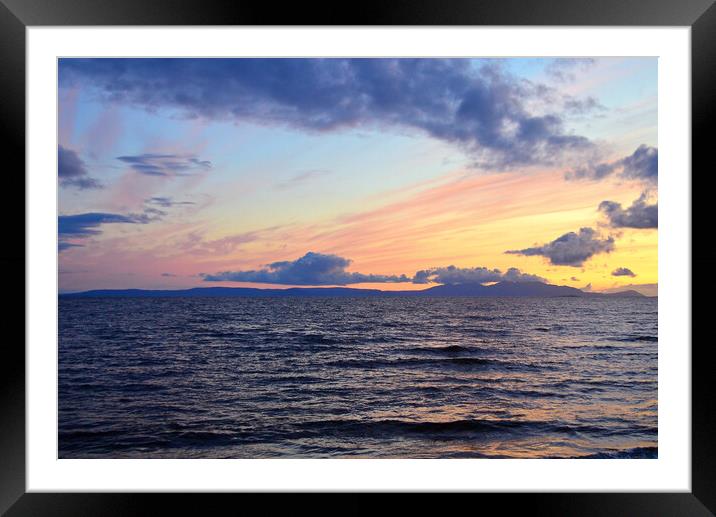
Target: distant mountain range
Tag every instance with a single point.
(518, 289)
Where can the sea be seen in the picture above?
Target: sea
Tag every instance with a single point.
(371, 377)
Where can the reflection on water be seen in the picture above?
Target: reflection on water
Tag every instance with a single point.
(375, 377)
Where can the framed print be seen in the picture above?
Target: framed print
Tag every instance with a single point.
(272, 252)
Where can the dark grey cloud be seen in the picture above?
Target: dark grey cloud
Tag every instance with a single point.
(168, 275)
(642, 164)
(476, 275)
(311, 269)
(153, 164)
(166, 202)
(64, 245)
(81, 226)
(69, 164)
(72, 170)
(483, 109)
(623, 271)
(571, 249)
(639, 215)
(322, 269)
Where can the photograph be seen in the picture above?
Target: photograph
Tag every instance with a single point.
(358, 257)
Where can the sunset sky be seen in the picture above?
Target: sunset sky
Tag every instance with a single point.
(380, 173)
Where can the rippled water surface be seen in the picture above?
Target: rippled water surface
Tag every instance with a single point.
(368, 377)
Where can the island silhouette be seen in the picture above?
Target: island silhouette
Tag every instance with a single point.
(499, 289)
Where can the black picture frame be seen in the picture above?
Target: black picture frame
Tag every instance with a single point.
(17, 15)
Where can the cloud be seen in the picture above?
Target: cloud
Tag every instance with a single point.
(166, 202)
(149, 215)
(480, 107)
(571, 249)
(311, 269)
(223, 246)
(642, 164)
(563, 69)
(153, 164)
(322, 269)
(639, 215)
(623, 271)
(195, 242)
(476, 275)
(72, 170)
(64, 245)
(69, 164)
(169, 275)
(582, 106)
(80, 226)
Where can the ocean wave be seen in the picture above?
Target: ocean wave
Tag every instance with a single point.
(447, 349)
(489, 333)
(409, 362)
(651, 339)
(181, 437)
(633, 453)
(319, 339)
(455, 429)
